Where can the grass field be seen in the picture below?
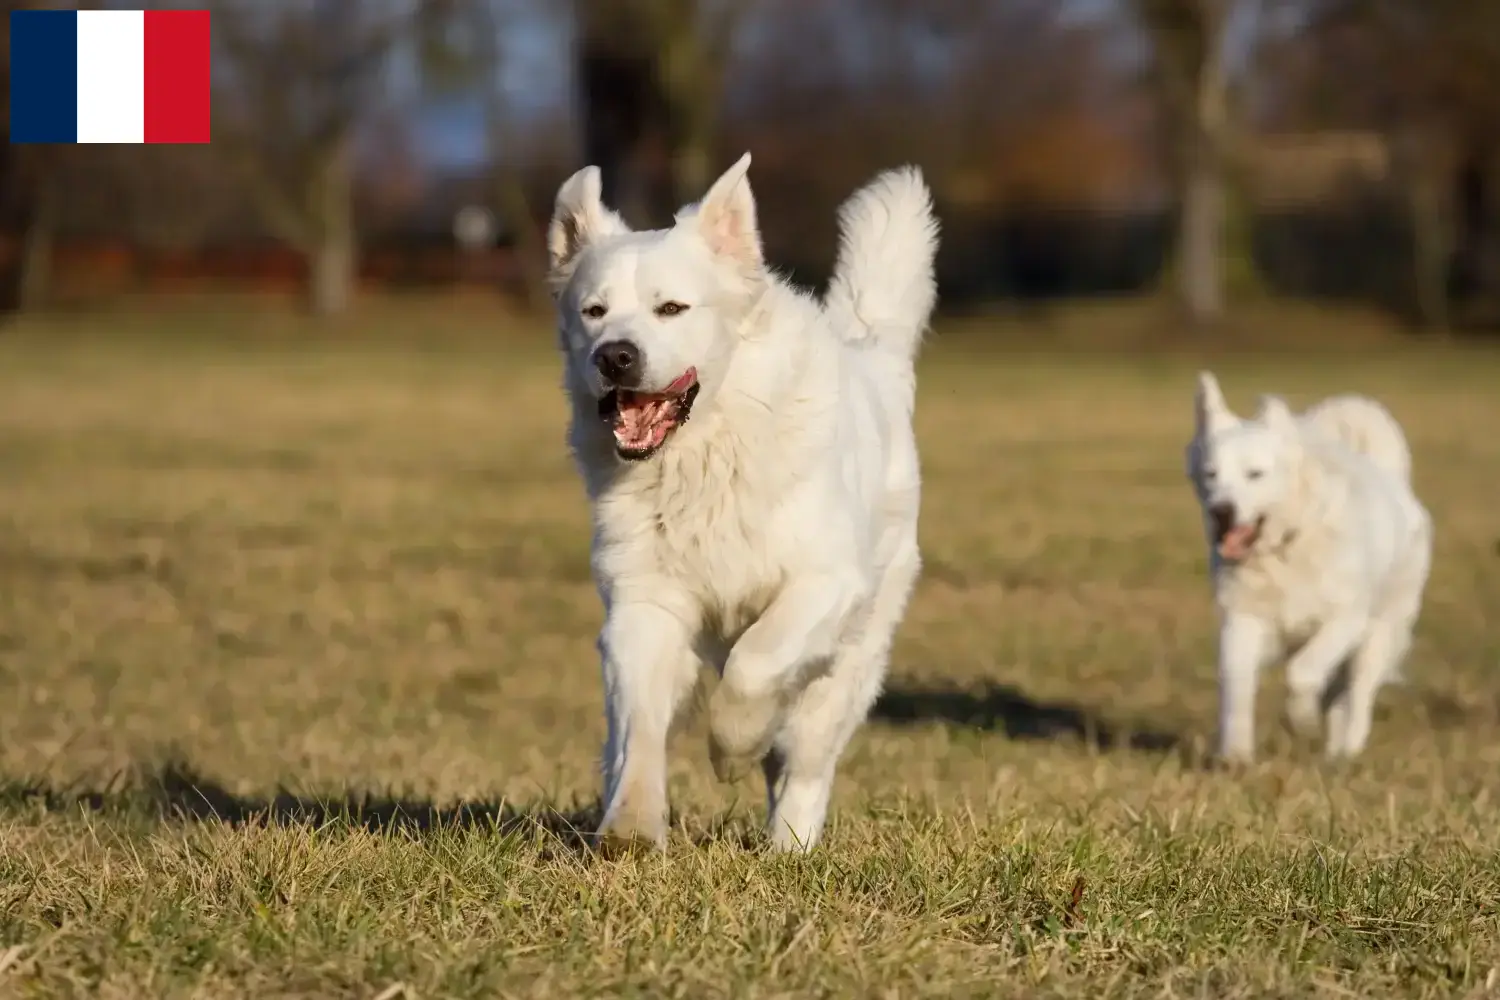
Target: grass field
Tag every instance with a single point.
(298, 697)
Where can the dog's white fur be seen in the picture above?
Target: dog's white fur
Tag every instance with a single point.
(1337, 574)
(773, 536)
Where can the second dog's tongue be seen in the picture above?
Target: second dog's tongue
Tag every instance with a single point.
(1237, 541)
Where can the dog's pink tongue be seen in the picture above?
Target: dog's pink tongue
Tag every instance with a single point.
(682, 382)
(1237, 541)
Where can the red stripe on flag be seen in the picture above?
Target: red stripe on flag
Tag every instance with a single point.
(178, 82)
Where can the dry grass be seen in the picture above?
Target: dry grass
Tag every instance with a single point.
(298, 698)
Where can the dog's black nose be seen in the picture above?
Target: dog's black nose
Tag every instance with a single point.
(1223, 515)
(619, 361)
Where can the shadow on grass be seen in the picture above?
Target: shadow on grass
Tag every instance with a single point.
(175, 791)
(999, 707)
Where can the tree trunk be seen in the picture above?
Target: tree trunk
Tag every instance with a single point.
(1432, 251)
(1200, 240)
(331, 272)
(37, 242)
(1189, 44)
(334, 259)
(1473, 287)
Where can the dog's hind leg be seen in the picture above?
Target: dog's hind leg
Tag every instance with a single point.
(649, 667)
(1312, 668)
(801, 765)
(1374, 663)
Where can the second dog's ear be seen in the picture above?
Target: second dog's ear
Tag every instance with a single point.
(1212, 413)
(1275, 414)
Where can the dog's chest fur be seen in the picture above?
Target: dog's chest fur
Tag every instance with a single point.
(713, 533)
(701, 514)
(1280, 591)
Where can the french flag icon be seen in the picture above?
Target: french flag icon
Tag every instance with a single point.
(128, 76)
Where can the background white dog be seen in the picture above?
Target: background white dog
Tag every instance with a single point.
(773, 536)
(1318, 548)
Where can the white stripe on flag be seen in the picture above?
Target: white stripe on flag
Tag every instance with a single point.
(111, 76)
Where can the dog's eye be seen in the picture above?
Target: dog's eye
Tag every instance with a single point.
(671, 309)
(1210, 474)
(1254, 474)
(596, 311)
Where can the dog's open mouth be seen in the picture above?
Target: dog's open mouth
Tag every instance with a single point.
(1235, 541)
(642, 421)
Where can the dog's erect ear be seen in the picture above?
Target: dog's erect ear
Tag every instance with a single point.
(1275, 414)
(578, 219)
(726, 217)
(1212, 413)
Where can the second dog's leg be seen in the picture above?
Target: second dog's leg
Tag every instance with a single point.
(1371, 666)
(1310, 670)
(1245, 644)
(649, 667)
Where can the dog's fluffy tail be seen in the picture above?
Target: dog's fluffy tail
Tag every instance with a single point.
(883, 287)
(1364, 426)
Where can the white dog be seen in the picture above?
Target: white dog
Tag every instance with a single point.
(1318, 549)
(774, 536)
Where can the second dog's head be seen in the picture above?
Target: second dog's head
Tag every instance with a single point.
(648, 320)
(1242, 470)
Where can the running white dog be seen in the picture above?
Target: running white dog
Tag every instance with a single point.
(1318, 548)
(774, 536)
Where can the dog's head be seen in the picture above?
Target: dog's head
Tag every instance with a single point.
(648, 320)
(1242, 470)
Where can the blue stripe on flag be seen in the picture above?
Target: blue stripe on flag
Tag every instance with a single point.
(44, 76)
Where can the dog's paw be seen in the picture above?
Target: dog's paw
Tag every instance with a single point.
(740, 730)
(1233, 759)
(1234, 747)
(1338, 757)
(629, 829)
(614, 845)
(1340, 748)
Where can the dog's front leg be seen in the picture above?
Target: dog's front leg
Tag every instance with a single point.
(1245, 644)
(649, 667)
(801, 627)
(1309, 671)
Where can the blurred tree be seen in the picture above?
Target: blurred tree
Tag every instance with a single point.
(1190, 72)
(1428, 75)
(295, 81)
(651, 79)
(1445, 60)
